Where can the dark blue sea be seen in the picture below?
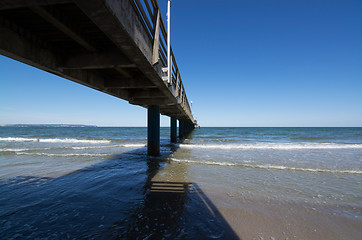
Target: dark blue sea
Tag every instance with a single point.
(80, 182)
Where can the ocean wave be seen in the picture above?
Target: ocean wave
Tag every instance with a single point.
(16, 150)
(276, 146)
(65, 154)
(53, 140)
(312, 138)
(108, 146)
(134, 145)
(268, 166)
(13, 149)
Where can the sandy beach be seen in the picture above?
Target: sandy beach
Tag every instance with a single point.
(256, 217)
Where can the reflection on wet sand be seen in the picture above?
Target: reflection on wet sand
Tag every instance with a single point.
(177, 210)
(174, 208)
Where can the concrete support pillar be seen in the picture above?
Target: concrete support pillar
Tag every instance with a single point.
(153, 131)
(181, 129)
(173, 125)
(189, 127)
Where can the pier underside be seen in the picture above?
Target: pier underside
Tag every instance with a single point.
(100, 44)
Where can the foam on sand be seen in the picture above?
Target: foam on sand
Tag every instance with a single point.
(276, 146)
(269, 166)
(65, 154)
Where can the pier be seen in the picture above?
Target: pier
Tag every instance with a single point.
(118, 47)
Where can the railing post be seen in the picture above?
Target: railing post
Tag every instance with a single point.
(177, 79)
(156, 40)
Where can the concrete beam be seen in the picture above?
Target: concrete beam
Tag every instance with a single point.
(73, 34)
(128, 83)
(146, 93)
(149, 101)
(99, 60)
(124, 72)
(176, 115)
(21, 48)
(153, 131)
(171, 112)
(170, 107)
(10, 4)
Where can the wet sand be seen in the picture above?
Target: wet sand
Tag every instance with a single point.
(256, 217)
(268, 219)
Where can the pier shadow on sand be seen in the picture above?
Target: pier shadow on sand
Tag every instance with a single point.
(115, 199)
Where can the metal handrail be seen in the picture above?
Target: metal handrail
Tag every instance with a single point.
(147, 12)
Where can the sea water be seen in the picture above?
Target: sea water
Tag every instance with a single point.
(96, 182)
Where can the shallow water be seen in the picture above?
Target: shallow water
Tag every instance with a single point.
(276, 162)
(220, 183)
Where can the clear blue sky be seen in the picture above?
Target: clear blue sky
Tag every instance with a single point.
(243, 63)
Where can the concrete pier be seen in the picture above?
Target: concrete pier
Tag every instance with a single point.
(181, 129)
(189, 127)
(185, 128)
(112, 46)
(173, 130)
(153, 131)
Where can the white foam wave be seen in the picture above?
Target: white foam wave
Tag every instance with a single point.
(268, 166)
(53, 140)
(13, 149)
(276, 146)
(134, 145)
(64, 154)
(110, 146)
(95, 147)
(17, 139)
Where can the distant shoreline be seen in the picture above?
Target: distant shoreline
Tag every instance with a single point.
(47, 125)
(84, 125)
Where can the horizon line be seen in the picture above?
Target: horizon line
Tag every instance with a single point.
(94, 125)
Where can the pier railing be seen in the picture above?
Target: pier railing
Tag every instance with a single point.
(149, 15)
